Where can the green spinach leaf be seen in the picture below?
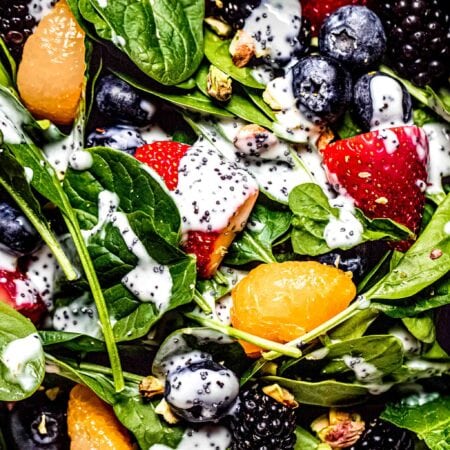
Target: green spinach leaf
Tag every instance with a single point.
(22, 373)
(265, 225)
(356, 326)
(421, 327)
(72, 341)
(256, 98)
(305, 440)
(164, 38)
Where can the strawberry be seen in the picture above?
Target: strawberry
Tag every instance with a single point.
(316, 11)
(214, 197)
(17, 291)
(384, 171)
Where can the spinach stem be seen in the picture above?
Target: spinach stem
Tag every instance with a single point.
(113, 353)
(239, 334)
(108, 371)
(202, 303)
(360, 303)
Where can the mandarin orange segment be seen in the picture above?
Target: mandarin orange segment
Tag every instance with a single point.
(282, 301)
(92, 424)
(51, 72)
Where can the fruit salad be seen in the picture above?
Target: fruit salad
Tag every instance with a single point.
(224, 224)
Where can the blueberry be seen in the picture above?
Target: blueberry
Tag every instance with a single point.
(354, 36)
(322, 85)
(120, 137)
(38, 424)
(117, 99)
(381, 101)
(17, 234)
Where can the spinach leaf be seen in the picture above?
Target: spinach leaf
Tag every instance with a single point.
(21, 377)
(72, 341)
(438, 101)
(422, 116)
(256, 98)
(217, 52)
(13, 179)
(305, 440)
(152, 216)
(193, 100)
(383, 353)
(238, 105)
(423, 264)
(421, 327)
(164, 39)
(356, 326)
(323, 393)
(347, 127)
(312, 213)
(7, 74)
(265, 225)
(427, 416)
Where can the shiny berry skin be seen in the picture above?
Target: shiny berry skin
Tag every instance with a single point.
(122, 102)
(354, 36)
(120, 137)
(323, 86)
(17, 234)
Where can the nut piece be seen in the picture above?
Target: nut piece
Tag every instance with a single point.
(242, 48)
(164, 410)
(151, 386)
(324, 139)
(219, 27)
(253, 140)
(339, 429)
(281, 395)
(218, 84)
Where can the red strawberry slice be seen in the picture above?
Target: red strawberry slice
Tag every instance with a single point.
(316, 11)
(207, 190)
(384, 171)
(17, 291)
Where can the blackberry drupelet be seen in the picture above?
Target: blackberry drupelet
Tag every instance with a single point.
(235, 12)
(382, 435)
(262, 423)
(418, 33)
(16, 24)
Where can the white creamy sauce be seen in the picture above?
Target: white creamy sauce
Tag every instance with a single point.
(425, 369)
(410, 344)
(17, 356)
(117, 40)
(293, 122)
(11, 122)
(148, 107)
(149, 281)
(153, 133)
(275, 26)
(81, 160)
(223, 309)
(391, 142)
(447, 228)
(25, 292)
(7, 261)
(318, 354)
(42, 271)
(213, 437)
(102, 3)
(28, 174)
(439, 155)
(346, 230)
(210, 189)
(180, 360)
(364, 371)
(379, 388)
(420, 399)
(79, 317)
(40, 8)
(387, 102)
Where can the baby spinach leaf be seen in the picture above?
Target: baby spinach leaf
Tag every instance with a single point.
(8, 65)
(323, 393)
(423, 264)
(356, 326)
(305, 440)
(421, 327)
(347, 127)
(383, 354)
(426, 415)
(19, 378)
(312, 213)
(238, 105)
(164, 39)
(72, 341)
(256, 98)
(217, 52)
(265, 225)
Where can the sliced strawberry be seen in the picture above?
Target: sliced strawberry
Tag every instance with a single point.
(384, 171)
(210, 191)
(18, 291)
(316, 11)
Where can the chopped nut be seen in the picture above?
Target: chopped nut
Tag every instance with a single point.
(254, 140)
(42, 427)
(52, 393)
(218, 84)
(151, 386)
(436, 253)
(219, 27)
(164, 410)
(338, 429)
(242, 48)
(281, 395)
(324, 139)
(270, 99)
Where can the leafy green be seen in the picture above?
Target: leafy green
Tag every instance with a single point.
(305, 440)
(354, 327)
(422, 116)
(72, 341)
(421, 327)
(164, 39)
(312, 213)
(427, 416)
(14, 326)
(256, 98)
(217, 52)
(347, 127)
(424, 263)
(153, 217)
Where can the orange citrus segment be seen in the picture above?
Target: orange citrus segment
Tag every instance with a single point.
(51, 72)
(282, 301)
(92, 424)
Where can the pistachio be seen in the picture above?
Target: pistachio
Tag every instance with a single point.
(151, 386)
(218, 84)
(281, 395)
(219, 27)
(242, 48)
(164, 410)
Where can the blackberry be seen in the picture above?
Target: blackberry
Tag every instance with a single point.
(262, 423)
(16, 25)
(235, 12)
(418, 33)
(381, 435)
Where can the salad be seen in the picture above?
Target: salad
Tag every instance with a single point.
(224, 224)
